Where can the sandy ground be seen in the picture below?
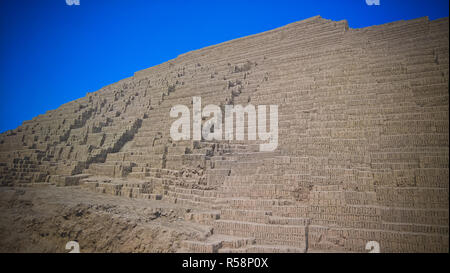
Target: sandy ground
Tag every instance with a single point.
(44, 219)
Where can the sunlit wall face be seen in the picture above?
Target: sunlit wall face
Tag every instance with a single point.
(52, 52)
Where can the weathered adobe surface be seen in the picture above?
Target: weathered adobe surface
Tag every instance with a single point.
(44, 219)
(362, 154)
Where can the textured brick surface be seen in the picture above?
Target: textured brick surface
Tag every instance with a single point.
(363, 140)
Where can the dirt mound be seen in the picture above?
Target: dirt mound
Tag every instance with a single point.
(45, 219)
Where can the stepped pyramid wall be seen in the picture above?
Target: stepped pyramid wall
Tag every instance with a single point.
(362, 153)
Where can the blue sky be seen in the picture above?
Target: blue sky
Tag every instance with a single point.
(52, 53)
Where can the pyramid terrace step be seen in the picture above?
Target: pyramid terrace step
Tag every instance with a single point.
(215, 243)
(201, 247)
(291, 235)
(190, 203)
(264, 249)
(258, 187)
(197, 192)
(256, 216)
(277, 220)
(72, 180)
(219, 172)
(224, 164)
(203, 217)
(252, 180)
(191, 197)
(255, 192)
(257, 203)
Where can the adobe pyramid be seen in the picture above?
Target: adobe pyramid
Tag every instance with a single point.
(362, 153)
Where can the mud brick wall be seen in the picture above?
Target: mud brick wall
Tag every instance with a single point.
(363, 138)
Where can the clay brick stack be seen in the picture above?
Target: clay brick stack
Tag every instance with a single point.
(363, 140)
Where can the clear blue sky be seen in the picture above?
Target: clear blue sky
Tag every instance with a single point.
(52, 53)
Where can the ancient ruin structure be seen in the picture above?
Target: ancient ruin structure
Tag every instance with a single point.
(362, 153)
